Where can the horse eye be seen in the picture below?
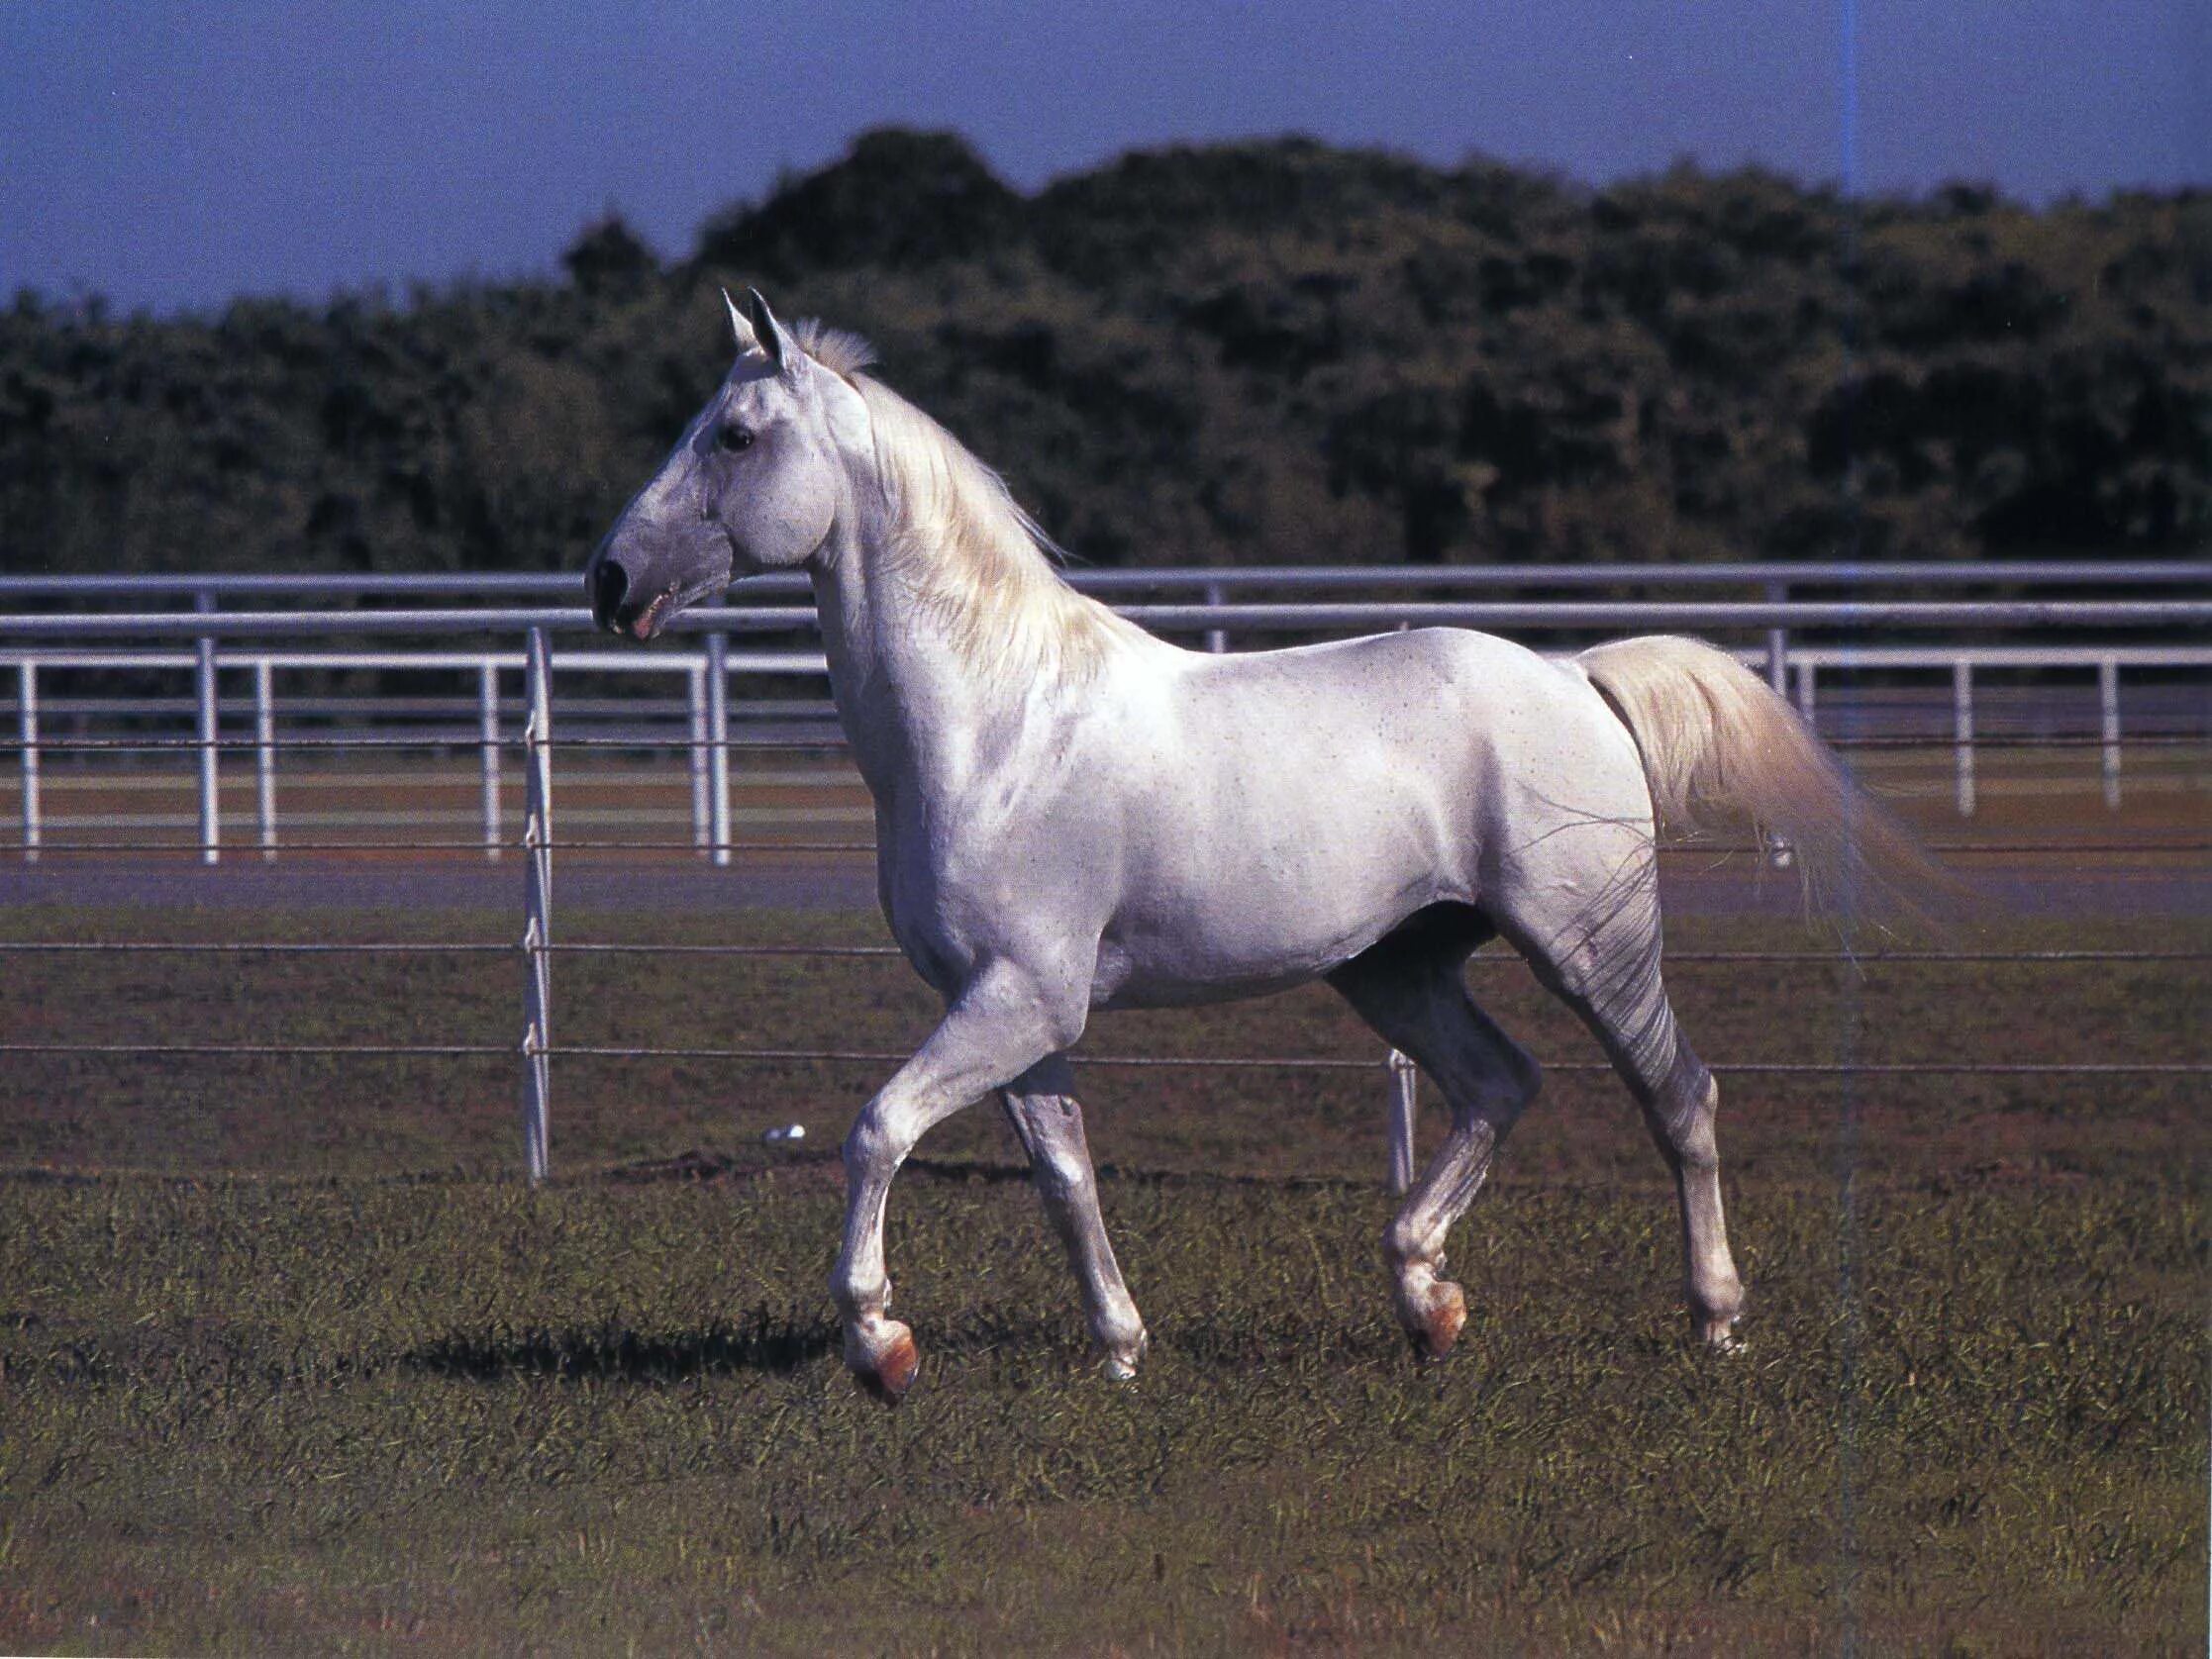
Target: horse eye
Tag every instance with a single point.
(733, 437)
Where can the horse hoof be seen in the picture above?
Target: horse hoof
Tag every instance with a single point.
(1719, 1336)
(893, 1371)
(1120, 1364)
(1440, 1322)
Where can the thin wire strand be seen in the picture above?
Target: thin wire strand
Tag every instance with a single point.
(890, 953)
(478, 845)
(1240, 1062)
(514, 740)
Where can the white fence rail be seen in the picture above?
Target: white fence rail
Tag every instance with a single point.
(700, 680)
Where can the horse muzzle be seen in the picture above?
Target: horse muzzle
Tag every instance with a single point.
(623, 605)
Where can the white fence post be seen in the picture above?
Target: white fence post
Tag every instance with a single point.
(1217, 639)
(1405, 1102)
(702, 829)
(537, 938)
(1777, 644)
(2108, 708)
(1962, 725)
(718, 739)
(26, 717)
(487, 748)
(211, 804)
(1807, 691)
(265, 756)
(1779, 854)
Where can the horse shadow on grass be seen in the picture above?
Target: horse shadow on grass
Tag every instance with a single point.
(762, 1343)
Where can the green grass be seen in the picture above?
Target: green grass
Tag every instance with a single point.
(309, 1415)
(288, 1363)
(327, 1115)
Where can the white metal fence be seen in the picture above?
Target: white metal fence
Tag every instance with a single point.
(1806, 645)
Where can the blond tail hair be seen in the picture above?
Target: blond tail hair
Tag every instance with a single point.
(1721, 747)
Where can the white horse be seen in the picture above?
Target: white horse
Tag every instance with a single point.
(1074, 815)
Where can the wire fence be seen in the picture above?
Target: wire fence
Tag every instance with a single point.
(704, 738)
(664, 743)
(892, 953)
(632, 844)
(1165, 1062)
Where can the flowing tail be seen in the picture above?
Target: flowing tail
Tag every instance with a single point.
(1719, 745)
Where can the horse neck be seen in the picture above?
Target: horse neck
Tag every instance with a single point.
(912, 710)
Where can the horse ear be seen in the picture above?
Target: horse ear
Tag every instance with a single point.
(770, 333)
(738, 326)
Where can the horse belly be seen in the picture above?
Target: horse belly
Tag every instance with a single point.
(1276, 883)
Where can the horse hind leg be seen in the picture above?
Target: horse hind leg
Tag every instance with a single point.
(1605, 966)
(1415, 999)
(1682, 1129)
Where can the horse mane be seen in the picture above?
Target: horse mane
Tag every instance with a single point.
(977, 562)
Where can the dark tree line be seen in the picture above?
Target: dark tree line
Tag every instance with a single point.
(1263, 352)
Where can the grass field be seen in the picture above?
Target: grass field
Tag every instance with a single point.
(288, 1360)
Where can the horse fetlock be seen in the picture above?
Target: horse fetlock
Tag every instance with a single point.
(1715, 1305)
(1410, 1246)
(858, 1299)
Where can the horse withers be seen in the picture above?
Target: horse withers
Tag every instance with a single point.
(1074, 815)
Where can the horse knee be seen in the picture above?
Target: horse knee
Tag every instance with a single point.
(880, 1138)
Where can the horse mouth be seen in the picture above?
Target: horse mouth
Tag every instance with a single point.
(647, 623)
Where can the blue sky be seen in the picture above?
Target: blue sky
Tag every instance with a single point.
(172, 155)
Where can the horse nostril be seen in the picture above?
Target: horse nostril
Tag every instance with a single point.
(608, 584)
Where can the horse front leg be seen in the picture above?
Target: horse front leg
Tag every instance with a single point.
(1042, 1106)
(998, 1029)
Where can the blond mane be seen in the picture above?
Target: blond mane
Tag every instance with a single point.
(979, 563)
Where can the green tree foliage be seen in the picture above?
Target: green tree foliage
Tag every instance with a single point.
(1256, 353)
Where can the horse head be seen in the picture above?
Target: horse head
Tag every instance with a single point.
(754, 484)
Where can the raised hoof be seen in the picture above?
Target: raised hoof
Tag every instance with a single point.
(1440, 1322)
(894, 1370)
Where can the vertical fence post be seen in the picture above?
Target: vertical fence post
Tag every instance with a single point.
(27, 718)
(1217, 639)
(2108, 709)
(718, 739)
(211, 808)
(702, 831)
(487, 748)
(1779, 854)
(537, 938)
(264, 755)
(1405, 1100)
(1777, 644)
(1963, 727)
(1807, 692)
